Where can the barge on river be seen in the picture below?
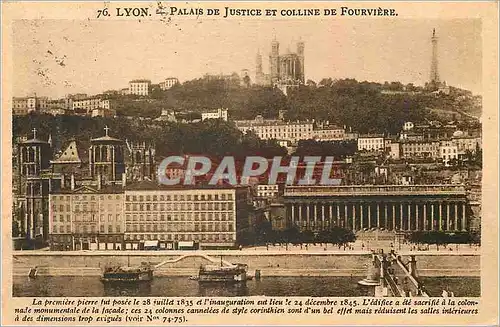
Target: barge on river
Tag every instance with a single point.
(236, 273)
(127, 274)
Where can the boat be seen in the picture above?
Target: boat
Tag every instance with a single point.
(236, 273)
(141, 273)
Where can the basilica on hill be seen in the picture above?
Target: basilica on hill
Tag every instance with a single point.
(286, 70)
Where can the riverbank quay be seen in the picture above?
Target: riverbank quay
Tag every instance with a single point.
(270, 262)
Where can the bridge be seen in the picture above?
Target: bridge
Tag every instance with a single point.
(391, 207)
(392, 277)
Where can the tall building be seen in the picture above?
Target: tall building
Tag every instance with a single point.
(34, 186)
(434, 60)
(106, 158)
(284, 69)
(139, 87)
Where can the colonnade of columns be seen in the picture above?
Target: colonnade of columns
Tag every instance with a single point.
(391, 215)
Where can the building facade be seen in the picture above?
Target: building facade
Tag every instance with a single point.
(392, 207)
(139, 87)
(277, 129)
(420, 149)
(371, 143)
(220, 113)
(86, 218)
(168, 83)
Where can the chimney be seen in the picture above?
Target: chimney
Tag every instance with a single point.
(72, 182)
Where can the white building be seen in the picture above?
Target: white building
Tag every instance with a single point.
(267, 191)
(371, 143)
(277, 129)
(395, 150)
(168, 83)
(139, 87)
(88, 104)
(329, 133)
(92, 103)
(448, 152)
(218, 114)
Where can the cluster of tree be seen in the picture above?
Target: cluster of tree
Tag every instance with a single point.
(214, 137)
(335, 236)
(345, 101)
(243, 102)
(438, 237)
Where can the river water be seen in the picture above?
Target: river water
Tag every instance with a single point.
(269, 286)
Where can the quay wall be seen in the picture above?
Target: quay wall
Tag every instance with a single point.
(270, 264)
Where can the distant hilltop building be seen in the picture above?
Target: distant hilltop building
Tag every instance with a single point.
(168, 83)
(285, 69)
(220, 113)
(139, 87)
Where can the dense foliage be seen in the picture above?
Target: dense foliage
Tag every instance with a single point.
(437, 237)
(214, 137)
(365, 106)
(265, 235)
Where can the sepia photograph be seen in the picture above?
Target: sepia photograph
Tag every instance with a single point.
(160, 152)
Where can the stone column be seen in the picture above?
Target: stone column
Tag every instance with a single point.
(401, 225)
(464, 222)
(354, 216)
(293, 214)
(300, 215)
(378, 215)
(361, 218)
(440, 216)
(416, 216)
(393, 216)
(386, 216)
(447, 216)
(370, 216)
(315, 213)
(330, 209)
(432, 216)
(345, 216)
(337, 219)
(455, 226)
(308, 216)
(322, 216)
(408, 227)
(426, 224)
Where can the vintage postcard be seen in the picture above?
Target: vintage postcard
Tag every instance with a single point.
(262, 163)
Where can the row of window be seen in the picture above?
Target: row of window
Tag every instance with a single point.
(85, 207)
(207, 227)
(179, 206)
(182, 237)
(61, 229)
(198, 216)
(87, 197)
(183, 216)
(180, 197)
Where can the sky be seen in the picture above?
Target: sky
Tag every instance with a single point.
(58, 57)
